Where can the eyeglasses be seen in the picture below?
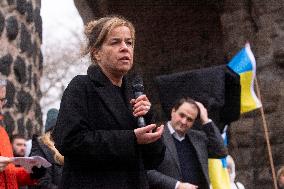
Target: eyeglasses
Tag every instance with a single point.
(3, 101)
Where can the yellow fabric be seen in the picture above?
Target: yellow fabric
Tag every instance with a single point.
(249, 100)
(219, 176)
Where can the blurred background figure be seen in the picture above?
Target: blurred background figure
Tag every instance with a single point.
(44, 146)
(232, 174)
(280, 178)
(29, 147)
(12, 177)
(19, 145)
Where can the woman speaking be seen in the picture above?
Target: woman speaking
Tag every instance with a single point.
(97, 130)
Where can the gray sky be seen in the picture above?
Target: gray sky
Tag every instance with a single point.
(59, 17)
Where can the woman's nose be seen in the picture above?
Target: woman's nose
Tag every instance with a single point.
(124, 46)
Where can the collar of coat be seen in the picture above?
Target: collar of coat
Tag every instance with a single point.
(95, 73)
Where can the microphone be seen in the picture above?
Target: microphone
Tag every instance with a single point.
(138, 89)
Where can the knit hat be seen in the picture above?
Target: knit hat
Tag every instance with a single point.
(51, 119)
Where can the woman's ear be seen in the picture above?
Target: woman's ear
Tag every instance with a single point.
(96, 54)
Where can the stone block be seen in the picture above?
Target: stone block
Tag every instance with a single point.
(26, 41)
(278, 155)
(21, 6)
(2, 23)
(263, 176)
(12, 27)
(9, 123)
(20, 70)
(243, 125)
(266, 7)
(40, 62)
(38, 22)
(280, 23)
(24, 100)
(29, 127)
(30, 76)
(29, 9)
(245, 176)
(38, 113)
(10, 2)
(5, 64)
(243, 157)
(278, 53)
(35, 52)
(11, 91)
(21, 126)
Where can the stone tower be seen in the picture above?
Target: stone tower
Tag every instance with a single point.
(176, 35)
(21, 62)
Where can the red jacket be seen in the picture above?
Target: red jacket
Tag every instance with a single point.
(12, 176)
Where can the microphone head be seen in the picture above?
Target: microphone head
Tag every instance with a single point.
(137, 84)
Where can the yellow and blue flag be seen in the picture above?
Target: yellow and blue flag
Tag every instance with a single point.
(245, 66)
(218, 173)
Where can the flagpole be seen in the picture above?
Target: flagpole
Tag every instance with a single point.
(266, 136)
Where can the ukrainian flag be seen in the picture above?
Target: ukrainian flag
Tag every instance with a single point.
(218, 173)
(244, 65)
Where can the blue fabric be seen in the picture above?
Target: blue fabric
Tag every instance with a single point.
(241, 62)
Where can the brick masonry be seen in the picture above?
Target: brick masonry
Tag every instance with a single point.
(21, 62)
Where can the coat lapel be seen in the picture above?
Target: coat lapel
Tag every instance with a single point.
(113, 101)
(199, 151)
(194, 141)
(170, 144)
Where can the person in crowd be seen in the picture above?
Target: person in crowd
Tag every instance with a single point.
(280, 178)
(232, 173)
(19, 145)
(18, 142)
(12, 177)
(185, 165)
(96, 129)
(44, 146)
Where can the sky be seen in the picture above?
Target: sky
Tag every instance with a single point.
(59, 19)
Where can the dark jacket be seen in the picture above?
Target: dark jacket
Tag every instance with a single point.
(207, 143)
(95, 133)
(53, 174)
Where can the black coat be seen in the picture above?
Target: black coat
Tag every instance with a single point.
(95, 133)
(53, 174)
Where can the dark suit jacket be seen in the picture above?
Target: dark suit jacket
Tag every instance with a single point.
(208, 144)
(95, 133)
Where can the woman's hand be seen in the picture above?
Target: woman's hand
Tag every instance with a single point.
(141, 105)
(145, 135)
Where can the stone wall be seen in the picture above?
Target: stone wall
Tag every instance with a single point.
(261, 23)
(179, 35)
(21, 62)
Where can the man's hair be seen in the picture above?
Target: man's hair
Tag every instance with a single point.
(17, 136)
(188, 100)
